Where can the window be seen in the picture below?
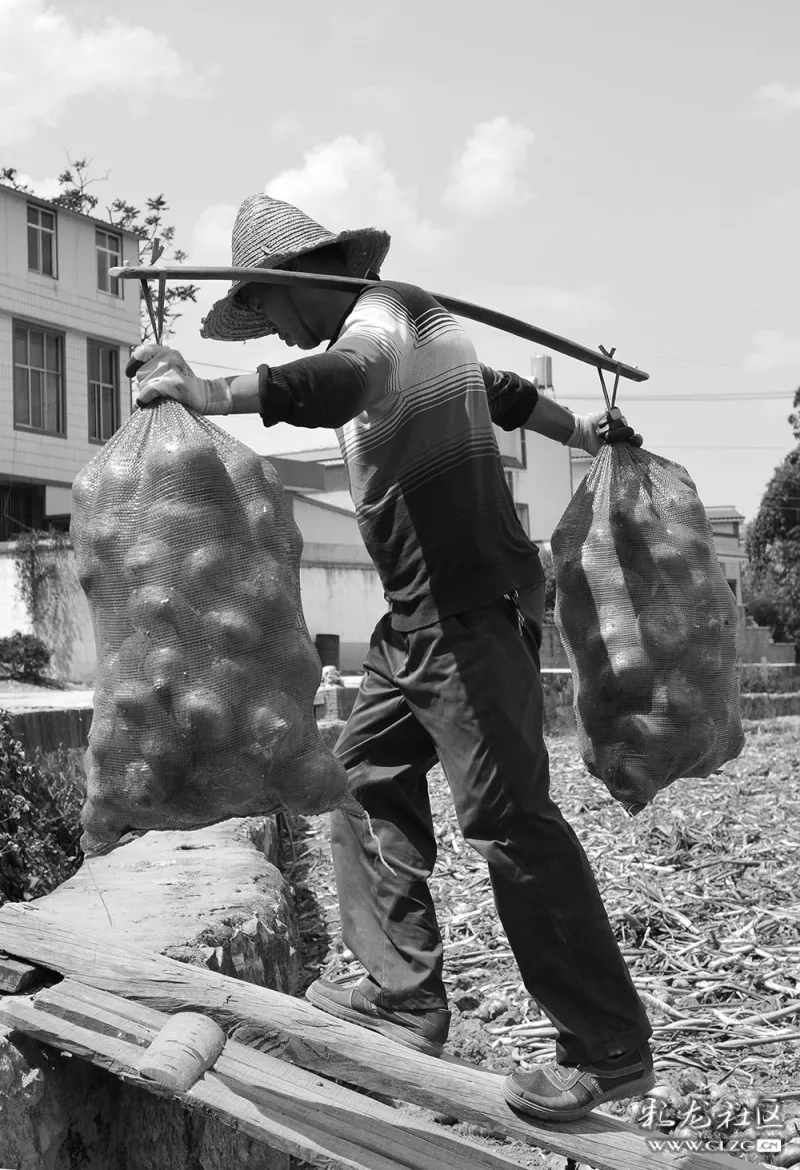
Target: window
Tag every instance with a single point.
(38, 381)
(510, 481)
(41, 240)
(109, 255)
(103, 361)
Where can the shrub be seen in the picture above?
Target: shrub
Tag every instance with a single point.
(23, 656)
(771, 603)
(40, 803)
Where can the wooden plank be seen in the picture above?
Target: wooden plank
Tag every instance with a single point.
(287, 1107)
(16, 976)
(300, 1034)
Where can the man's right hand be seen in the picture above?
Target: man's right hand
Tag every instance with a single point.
(160, 372)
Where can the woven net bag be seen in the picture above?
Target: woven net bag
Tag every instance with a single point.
(648, 623)
(189, 556)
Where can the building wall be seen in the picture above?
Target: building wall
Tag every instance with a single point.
(544, 485)
(71, 304)
(732, 559)
(340, 589)
(321, 525)
(342, 594)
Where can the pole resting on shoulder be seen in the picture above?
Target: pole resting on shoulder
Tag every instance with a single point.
(600, 360)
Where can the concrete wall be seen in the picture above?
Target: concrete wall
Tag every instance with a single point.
(65, 624)
(13, 614)
(71, 304)
(755, 644)
(340, 589)
(342, 594)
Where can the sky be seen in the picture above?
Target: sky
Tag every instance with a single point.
(624, 173)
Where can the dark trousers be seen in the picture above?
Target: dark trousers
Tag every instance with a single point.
(467, 691)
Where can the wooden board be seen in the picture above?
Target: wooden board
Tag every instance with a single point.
(287, 1107)
(298, 1033)
(16, 976)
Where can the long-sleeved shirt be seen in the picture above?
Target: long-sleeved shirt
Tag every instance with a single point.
(413, 410)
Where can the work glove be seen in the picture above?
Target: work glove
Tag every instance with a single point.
(593, 431)
(160, 372)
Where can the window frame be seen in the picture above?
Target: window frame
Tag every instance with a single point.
(524, 516)
(32, 205)
(60, 337)
(115, 285)
(523, 450)
(117, 403)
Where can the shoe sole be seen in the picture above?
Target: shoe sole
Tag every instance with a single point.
(394, 1032)
(542, 1113)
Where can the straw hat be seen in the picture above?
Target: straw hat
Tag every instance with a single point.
(266, 234)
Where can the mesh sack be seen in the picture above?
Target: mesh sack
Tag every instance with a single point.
(648, 623)
(189, 556)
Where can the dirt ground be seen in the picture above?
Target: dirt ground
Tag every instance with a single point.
(702, 890)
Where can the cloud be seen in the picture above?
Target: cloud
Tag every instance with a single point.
(46, 60)
(777, 100)
(346, 183)
(588, 305)
(284, 127)
(211, 237)
(785, 201)
(773, 350)
(487, 176)
(546, 305)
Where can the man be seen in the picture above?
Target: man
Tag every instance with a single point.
(452, 671)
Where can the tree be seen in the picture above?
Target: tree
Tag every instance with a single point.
(773, 550)
(8, 175)
(156, 238)
(794, 417)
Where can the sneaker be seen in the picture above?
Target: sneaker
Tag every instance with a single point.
(425, 1030)
(557, 1093)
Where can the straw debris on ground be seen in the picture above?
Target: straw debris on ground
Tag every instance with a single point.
(703, 891)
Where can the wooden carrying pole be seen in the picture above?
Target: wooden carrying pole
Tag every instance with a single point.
(350, 284)
(298, 1033)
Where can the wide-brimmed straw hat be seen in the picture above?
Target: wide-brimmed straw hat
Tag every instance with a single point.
(266, 234)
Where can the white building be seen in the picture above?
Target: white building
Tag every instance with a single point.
(66, 329)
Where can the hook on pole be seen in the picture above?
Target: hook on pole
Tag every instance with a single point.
(148, 300)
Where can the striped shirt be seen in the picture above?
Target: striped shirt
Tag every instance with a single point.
(413, 409)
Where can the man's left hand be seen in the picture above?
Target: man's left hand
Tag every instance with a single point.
(592, 432)
(164, 373)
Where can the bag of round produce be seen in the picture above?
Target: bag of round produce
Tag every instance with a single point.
(189, 556)
(648, 623)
